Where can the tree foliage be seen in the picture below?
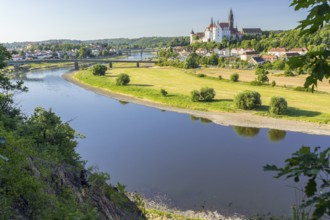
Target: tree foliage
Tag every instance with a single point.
(317, 62)
(278, 105)
(4, 54)
(247, 100)
(99, 70)
(313, 165)
(234, 77)
(122, 79)
(206, 94)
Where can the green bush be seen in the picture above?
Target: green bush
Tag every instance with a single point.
(262, 78)
(302, 89)
(207, 94)
(122, 79)
(288, 73)
(163, 92)
(273, 83)
(201, 75)
(204, 95)
(195, 95)
(99, 70)
(278, 105)
(256, 83)
(247, 100)
(220, 77)
(234, 77)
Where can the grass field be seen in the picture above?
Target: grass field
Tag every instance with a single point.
(146, 83)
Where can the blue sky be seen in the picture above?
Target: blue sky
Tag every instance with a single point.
(35, 20)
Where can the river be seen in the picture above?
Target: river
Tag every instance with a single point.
(190, 163)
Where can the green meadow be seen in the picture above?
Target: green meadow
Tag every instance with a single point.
(146, 83)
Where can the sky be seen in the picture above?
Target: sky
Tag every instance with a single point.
(37, 20)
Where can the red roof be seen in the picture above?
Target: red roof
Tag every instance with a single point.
(224, 25)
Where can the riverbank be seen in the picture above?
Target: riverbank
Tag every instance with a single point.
(245, 119)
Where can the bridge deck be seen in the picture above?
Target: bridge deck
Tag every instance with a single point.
(11, 62)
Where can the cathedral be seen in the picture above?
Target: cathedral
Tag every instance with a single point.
(217, 31)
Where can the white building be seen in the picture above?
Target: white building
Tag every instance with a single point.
(217, 31)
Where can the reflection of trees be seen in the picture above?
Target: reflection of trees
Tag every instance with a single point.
(123, 102)
(276, 135)
(194, 118)
(246, 131)
(203, 120)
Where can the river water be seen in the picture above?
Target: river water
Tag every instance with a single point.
(191, 163)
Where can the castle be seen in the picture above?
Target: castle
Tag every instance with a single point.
(217, 31)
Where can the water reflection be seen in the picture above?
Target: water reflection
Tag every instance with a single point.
(123, 102)
(246, 131)
(275, 135)
(203, 120)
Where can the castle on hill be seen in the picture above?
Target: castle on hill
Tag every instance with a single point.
(217, 31)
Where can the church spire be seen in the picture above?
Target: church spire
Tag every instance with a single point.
(231, 19)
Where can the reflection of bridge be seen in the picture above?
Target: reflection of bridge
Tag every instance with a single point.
(129, 52)
(77, 61)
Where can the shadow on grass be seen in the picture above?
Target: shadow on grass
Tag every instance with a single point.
(143, 85)
(218, 100)
(262, 108)
(295, 112)
(169, 96)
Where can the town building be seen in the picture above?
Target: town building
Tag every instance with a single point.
(218, 31)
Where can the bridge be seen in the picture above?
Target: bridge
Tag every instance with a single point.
(77, 61)
(128, 52)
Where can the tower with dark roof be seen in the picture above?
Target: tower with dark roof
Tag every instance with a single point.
(231, 19)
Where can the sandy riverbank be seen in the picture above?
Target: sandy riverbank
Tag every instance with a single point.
(243, 119)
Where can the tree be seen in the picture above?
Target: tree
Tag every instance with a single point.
(313, 165)
(315, 61)
(4, 54)
(191, 61)
(8, 111)
(278, 105)
(84, 52)
(213, 60)
(204, 95)
(234, 77)
(247, 100)
(99, 70)
(122, 79)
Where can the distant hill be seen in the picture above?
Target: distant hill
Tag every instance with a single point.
(143, 42)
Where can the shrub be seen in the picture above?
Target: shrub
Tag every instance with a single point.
(256, 83)
(122, 79)
(234, 77)
(278, 105)
(273, 83)
(195, 95)
(220, 77)
(288, 73)
(207, 94)
(201, 75)
(163, 92)
(247, 100)
(303, 89)
(262, 78)
(99, 70)
(204, 95)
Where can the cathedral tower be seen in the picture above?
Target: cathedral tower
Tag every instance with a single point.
(231, 19)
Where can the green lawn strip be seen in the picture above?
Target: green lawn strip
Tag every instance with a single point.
(147, 82)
